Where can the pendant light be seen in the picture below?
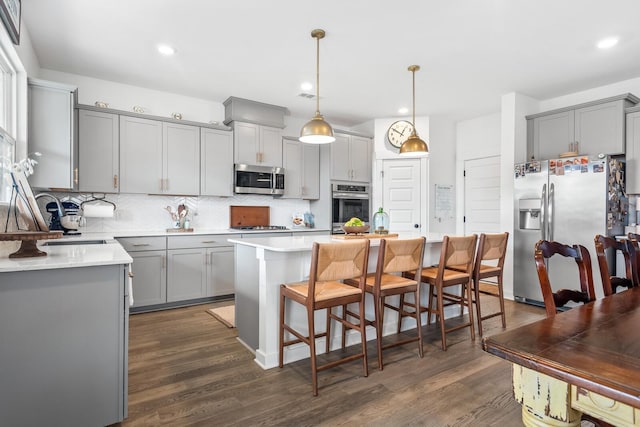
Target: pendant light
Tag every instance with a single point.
(317, 130)
(414, 146)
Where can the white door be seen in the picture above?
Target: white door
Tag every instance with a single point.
(402, 190)
(482, 195)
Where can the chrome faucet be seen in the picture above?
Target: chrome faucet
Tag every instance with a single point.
(61, 211)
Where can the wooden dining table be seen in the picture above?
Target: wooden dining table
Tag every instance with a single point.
(584, 360)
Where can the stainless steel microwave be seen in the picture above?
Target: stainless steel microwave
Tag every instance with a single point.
(250, 179)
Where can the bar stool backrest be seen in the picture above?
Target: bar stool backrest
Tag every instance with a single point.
(337, 261)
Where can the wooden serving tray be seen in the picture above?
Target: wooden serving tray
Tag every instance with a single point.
(364, 236)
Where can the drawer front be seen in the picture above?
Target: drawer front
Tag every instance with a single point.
(604, 408)
(137, 244)
(199, 241)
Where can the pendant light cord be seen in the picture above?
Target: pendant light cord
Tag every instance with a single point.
(317, 75)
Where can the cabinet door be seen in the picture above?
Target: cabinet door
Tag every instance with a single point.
(216, 163)
(140, 155)
(340, 163)
(246, 137)
(186, 274)
(98, 144)
(552, 134)
(600, 128)
(310, 171)
(220, 271)
(270, 146)
(50, 127)
(360, 155)
(293, 168)
(181, 159)
(633, 154)
(149, 278)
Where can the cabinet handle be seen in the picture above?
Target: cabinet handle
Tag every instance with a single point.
(137, 245)
(131, 274)
(164, 261)
(208, 241)
(115, 181)
(257, 157)
(75, 176)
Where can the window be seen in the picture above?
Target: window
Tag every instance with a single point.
(8, 109)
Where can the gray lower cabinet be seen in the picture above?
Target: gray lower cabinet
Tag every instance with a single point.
(149, 269)
(633, 152)
(64, 348)
(199, 266)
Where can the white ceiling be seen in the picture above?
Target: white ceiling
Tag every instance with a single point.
(471, 51)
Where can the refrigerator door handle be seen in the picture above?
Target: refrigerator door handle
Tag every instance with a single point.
(543, 212)
(551, 203)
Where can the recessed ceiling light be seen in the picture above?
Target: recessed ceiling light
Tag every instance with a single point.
(403, 110)
(306, 86)
(607, 43)
(165, 49)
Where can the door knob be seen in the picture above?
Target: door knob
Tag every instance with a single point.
(416, 225)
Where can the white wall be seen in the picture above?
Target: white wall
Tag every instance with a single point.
(475, 139)
(618, 88)
(442, 168)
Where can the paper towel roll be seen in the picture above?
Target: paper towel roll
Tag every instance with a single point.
(97, 211)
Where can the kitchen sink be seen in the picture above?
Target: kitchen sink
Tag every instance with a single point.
(76, 242)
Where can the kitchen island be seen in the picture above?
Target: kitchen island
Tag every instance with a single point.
(263, 264)
(64, 333)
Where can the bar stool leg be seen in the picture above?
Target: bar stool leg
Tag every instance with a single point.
(281, 337)
(328, 329)
(476, 294)
(440, 318)
(312, 352)
(467, 288)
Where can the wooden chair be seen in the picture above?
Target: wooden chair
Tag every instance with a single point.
(634, 240)
(492, 248)
(395, 256)
(330, 263)
(610, 282)
(454, 268)
(544, 250)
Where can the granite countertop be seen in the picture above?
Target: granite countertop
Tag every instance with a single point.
(304, 243)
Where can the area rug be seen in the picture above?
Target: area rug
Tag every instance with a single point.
(226, 315)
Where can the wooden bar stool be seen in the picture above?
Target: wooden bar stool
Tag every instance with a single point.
(611, 282)
(330, 263)
(454, 268)
(492, 248)
(395, 256)
(544, 250)
(634, 240)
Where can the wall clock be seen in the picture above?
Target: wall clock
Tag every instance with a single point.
(399, 132)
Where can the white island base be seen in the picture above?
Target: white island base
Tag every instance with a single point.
(263, 264)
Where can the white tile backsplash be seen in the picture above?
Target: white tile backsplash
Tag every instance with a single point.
(146, 212)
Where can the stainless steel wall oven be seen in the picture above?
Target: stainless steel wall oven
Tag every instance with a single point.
(349, 201)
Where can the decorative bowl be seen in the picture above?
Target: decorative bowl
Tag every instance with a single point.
(353, 229)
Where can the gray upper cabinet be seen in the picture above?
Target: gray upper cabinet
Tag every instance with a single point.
(256, 144)
(181, 159)
(158, 157)
(351, 158)
(633, 152)
(51, 126)
(597, 127)
(140, 155)
(98, 151)
(302, 169)
(216, 163)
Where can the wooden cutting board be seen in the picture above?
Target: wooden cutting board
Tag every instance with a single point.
(364, 236)
(240, 216)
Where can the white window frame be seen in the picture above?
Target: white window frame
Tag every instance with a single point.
(10, 67)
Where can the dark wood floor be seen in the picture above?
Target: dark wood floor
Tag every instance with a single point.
(186, 368)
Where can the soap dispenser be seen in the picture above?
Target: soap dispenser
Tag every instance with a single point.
(381, 222)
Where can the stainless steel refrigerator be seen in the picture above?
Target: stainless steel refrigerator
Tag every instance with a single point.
(568, 200)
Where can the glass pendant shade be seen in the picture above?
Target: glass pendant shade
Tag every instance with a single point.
(317, 131)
